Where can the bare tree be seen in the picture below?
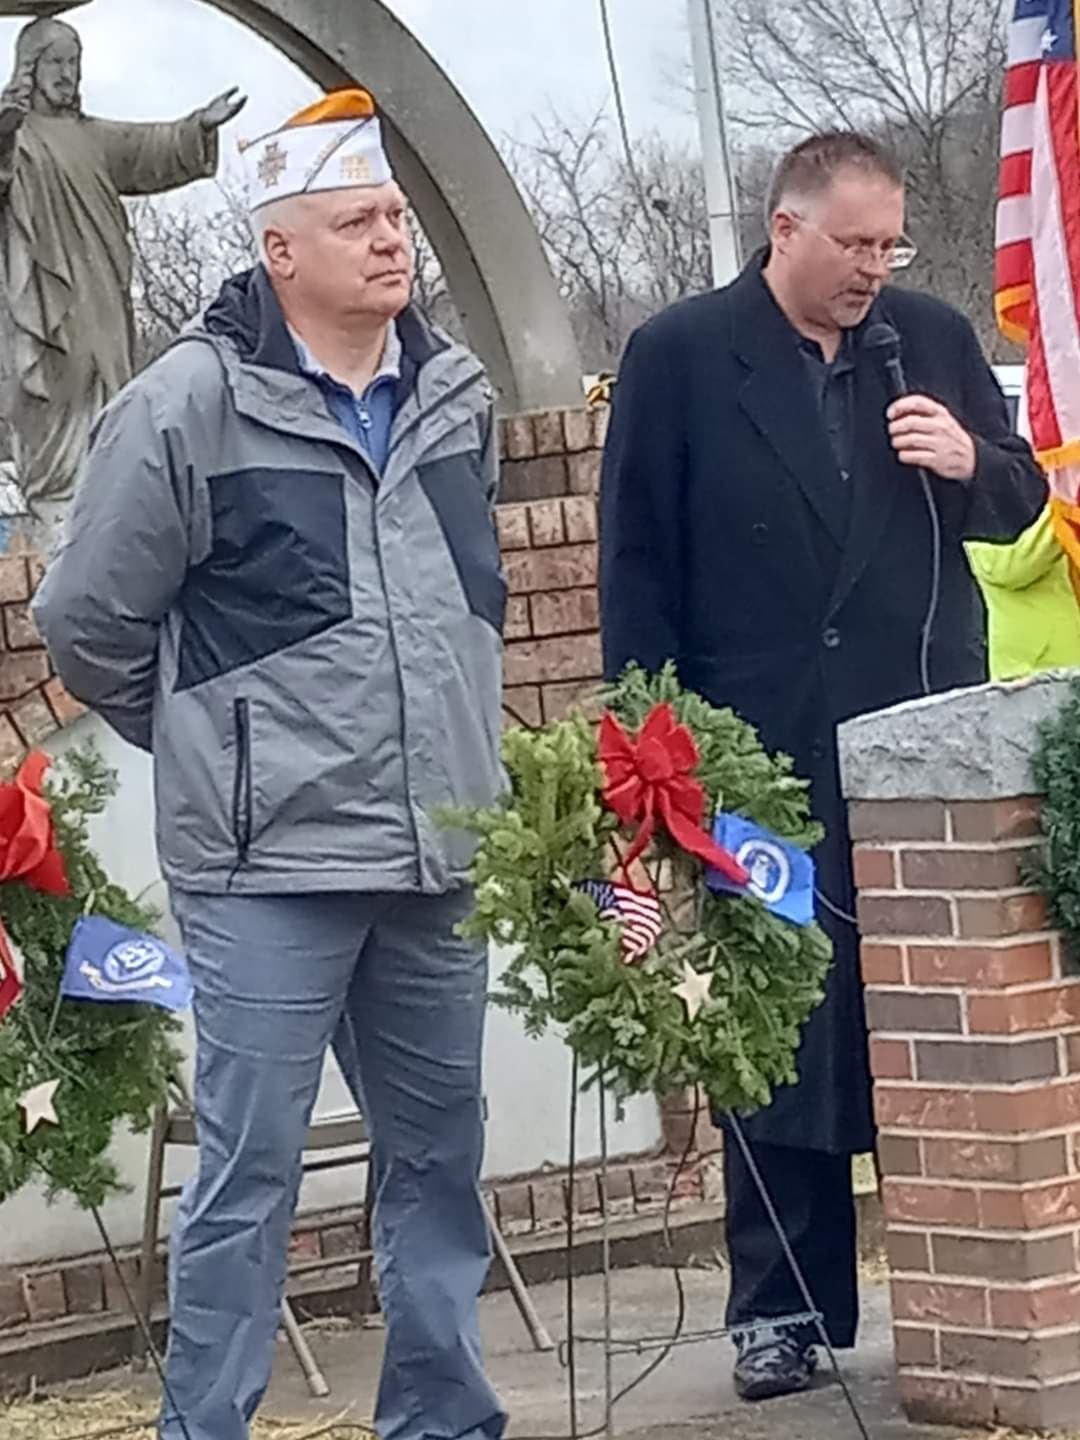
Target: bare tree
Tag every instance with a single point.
(924, 75)
(431, 292)
(571, 188)
(625, 237)
(182, 254)
(671, 226)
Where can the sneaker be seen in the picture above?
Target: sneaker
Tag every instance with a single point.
(771, 1364)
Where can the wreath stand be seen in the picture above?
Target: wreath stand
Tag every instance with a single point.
(662, 1346)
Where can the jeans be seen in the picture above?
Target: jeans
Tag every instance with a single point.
(277, 978)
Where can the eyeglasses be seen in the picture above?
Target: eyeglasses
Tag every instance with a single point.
(893, 254)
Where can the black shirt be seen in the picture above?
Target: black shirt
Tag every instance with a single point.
(834, 390)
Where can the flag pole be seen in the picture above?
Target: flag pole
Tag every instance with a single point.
(712, 120)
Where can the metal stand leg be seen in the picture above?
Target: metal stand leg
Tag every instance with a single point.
(522, 1299)
(151, 1223)
(605, 1221)
(369, 1306)
(301, 1349)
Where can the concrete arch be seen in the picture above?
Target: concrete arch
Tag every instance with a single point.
(467, 202)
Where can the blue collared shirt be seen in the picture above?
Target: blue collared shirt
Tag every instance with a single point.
(367, 418)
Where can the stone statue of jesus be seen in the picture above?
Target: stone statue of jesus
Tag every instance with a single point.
(64, 244)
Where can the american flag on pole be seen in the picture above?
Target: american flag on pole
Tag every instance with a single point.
(637, 913)
(10, 984)
(1037, 268)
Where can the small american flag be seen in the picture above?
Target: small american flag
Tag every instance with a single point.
(1037, 261)
(10, 984)
(637, 913)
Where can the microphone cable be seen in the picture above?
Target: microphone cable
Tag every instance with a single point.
(885, 340)
(935, 583)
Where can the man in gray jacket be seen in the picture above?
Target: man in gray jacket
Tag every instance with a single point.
(282, 577)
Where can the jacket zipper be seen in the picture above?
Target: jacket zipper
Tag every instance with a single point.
(444, 400)
(403, 737)
(241, 805)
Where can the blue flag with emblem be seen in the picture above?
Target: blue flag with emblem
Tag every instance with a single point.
(781, 875)
(106, 961)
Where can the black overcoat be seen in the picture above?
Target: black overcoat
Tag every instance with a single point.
(721, 548)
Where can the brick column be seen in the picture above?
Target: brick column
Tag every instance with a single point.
(975, 1049)
(33, 702)
(547, 531)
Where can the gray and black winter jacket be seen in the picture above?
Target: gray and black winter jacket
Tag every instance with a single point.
(312, 652)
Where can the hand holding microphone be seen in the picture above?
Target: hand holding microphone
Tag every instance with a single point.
(923, 432)
(927, 437)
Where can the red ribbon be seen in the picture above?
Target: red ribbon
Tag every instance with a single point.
(28, 853)
(651, 779)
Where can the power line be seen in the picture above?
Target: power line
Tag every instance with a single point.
(620, 109)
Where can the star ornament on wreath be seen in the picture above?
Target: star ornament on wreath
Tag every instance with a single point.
(708, 982)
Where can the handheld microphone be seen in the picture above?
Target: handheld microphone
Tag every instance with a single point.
(882, 341)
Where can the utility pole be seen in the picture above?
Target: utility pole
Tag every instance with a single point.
(719, 184)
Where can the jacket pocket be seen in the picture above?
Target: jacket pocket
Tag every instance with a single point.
(241, 801)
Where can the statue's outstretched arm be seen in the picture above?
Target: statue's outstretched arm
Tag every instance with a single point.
(148, 159)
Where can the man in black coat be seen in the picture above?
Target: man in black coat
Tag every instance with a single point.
(766, 524)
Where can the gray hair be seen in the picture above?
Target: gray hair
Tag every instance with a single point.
(275, 215)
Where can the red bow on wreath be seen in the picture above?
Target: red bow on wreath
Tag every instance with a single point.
(28, 853)
(651, 779)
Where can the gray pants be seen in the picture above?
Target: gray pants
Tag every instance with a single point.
(276, 977)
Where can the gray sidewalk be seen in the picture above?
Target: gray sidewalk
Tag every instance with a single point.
(689, 1396)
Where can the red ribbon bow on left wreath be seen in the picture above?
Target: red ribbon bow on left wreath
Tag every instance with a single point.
(28, 853)
(651, 779)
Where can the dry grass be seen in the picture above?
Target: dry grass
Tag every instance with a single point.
(109, 1414)
(1027, 1435)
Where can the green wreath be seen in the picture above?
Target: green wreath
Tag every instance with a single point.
(627, 1022)
(113, 1061)
(1055, 766)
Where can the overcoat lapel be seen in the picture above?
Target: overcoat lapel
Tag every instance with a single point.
(778, 398)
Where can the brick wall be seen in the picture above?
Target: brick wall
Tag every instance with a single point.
(547, 532)
(975, 1050)
(549, 453)
(33, 702)
(524, 1207)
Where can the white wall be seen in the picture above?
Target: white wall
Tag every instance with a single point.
(527, 1082)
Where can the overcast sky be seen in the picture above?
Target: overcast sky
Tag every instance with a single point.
(157, 59)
